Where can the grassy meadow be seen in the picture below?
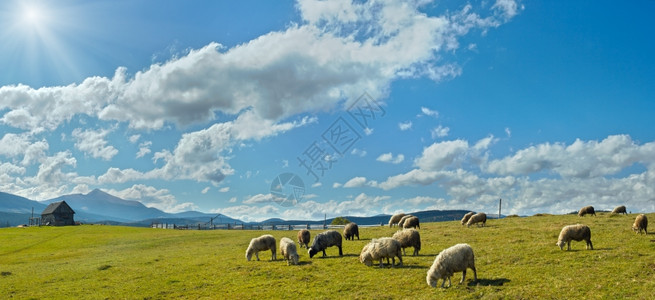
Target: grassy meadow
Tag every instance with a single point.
(515, 257)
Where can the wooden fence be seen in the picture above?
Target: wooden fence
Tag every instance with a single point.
(237, 226)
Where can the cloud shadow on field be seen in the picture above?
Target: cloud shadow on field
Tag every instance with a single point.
(489, 282)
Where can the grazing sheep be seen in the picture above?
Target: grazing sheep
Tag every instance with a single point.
(587, 210)
(408, 238)
(454, 259)
(303, 238)
(403, 220)
(477, 218)
(641, 222)
(262, 243)
(412, 223)
(466, 217)
(288, 251)
(619, 210)
(577, 233)
(395, 218)
(379, 249)
(350, 231)
(324, 240)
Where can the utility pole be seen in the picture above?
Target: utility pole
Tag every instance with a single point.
(500, 204)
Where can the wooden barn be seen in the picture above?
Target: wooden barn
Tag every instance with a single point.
(57, 214)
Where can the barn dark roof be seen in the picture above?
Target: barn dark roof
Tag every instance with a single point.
(54, 206)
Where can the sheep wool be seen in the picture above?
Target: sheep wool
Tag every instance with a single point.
(477, 218)
(288, 251)
(379, 249)
(454, 259)
(262, 243)
(578, 232)
(412, 223)
(304, 238)
(620, 210)
(350, 231)
(324, 240)
(641, 222)
(395, 219)
(587, 210)
(408, 238)
(466, 217)
(402, 221)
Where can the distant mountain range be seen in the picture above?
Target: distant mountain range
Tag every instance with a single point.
(103, 208)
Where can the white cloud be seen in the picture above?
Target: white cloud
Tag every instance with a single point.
(153, 197)
(428, 112)
(144, 148)
(224, 189)
(405, 126)
(94, 143)
(355, 182)
(440, 155)
(439, 132)
(134, 138)
(205, 190)
(358, 152)
(388, 157)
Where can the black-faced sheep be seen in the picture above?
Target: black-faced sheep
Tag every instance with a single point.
(577, 233)
(350, 231)
(403, 220)
(412, 223)
(466, 217)
(408, 238)
(288, 251)
(379, 249)
(262, 243)
(620, 210)
(641, 222)
(304, 238)
(395, 219)
(587, 210)
(454, 259)
(477, 218)
(324, 240)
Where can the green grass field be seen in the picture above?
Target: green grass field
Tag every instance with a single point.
(515, 258)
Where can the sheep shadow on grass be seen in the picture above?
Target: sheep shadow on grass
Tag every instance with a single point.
(336, 256)
(489, 282)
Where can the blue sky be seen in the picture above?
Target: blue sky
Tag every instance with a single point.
(201, 105)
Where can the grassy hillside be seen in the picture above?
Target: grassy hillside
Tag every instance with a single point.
(515, 257)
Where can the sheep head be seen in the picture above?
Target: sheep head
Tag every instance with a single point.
(249, 254)
(312, 252)
(560, 244)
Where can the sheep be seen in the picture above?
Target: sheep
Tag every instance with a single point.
(395, 218)
(288, 251)
(403, 220)
(412, 223)
(477, 218)
(454, 259)
(408, 238)
(350, 231)
(576, 232)
(641, 222)
(466, 217)
(379, 249)
(304, 238)
(619, 210)
(324, 240)
(587, 210)
(262, 243)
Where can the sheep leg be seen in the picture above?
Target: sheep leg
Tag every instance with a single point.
(274, 257)
(404, 251)
(400, 259)
(463, 276)
(257, 255)
(381, 264)
(475, 274)
(590, 245)
(415, 252)
(393, 261)
(324, 254)
(568, 245)
(340, 251)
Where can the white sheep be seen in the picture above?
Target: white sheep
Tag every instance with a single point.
(403, 220)
(454, 259)
(408, 238)
(350, 231)
(641, 222)
(288, 251)
(412, 223)
(477, 218)
(324, 240)
(620, 210)
(395, 218)
(587, 210)
(262, 243)
(466, 217)
(379, 249)
(577, 233)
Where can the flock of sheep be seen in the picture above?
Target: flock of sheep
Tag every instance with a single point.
(457, 258)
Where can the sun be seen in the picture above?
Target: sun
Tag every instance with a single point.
(33, 15)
